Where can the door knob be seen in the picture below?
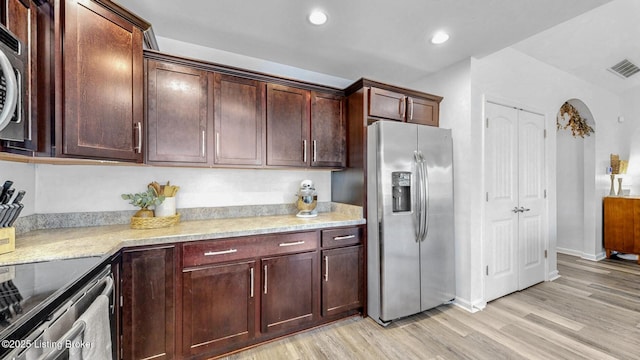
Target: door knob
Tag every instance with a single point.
(516, 210)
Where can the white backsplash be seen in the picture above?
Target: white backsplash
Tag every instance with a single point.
(89, 188)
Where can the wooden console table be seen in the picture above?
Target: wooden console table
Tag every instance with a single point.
(622, 225)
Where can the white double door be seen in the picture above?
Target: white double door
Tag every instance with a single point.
(516, 212)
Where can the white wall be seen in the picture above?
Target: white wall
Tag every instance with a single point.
(78, 188)
(517, 79)
(454, 84)
(570, 192)
(89, 188)
(177, 47)
(524, 80)
(631, 126)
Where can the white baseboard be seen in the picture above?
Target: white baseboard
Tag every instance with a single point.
(471, 307)
(571, 252)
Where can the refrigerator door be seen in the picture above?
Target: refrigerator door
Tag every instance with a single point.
(437, 259)
(398, 241)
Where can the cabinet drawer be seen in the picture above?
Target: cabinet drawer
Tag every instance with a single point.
(213, 251)
(216, 251)
(341, 237)
(288, 243)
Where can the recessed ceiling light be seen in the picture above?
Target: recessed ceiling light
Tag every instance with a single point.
(439, 37)
(317, 17)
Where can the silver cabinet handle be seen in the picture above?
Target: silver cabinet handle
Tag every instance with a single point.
(523, 209)
(252, 278)
(304, 151)
(291, 243)
(203, 143)
(515, 210)
(138, 147)
(345, 237)
(410, 108)
(401, 107)
(314, 151)
(326, 269)
(265, 279)
(217, 144)
(223, 252)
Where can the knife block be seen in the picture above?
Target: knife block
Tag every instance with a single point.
(7, 239)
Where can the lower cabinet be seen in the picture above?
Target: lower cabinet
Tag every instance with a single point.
(342, 279)
(218, 306)
(290, 291)
(206, 298)
(148, 303)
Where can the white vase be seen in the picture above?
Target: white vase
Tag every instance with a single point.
(167, 208)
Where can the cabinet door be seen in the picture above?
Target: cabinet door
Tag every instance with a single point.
(148, 305)
(288, 113)
(218, 306)
(289, 291)
(387, 104)
(239, 120)
(176, 113)
(618, 224)
(423, 111)
(342, 279)
(327, 130)
(101, 97)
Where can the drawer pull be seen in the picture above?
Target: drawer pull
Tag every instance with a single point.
(326, 268)
(252, 278)
(345, 237)
(292, 243)
(214, 253)
(265, 279)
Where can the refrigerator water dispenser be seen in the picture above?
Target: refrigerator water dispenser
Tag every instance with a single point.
(401, 184)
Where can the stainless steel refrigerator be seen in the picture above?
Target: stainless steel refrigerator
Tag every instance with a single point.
(410, 251)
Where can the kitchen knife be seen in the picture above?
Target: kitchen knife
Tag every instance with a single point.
(8, 195)
(5, 188)
(7, 214)
(19, 197)
(4, 209)
(15, 214)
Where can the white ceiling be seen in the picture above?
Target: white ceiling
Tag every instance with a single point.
(387, 40)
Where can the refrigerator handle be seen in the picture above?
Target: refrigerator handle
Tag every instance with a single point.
(424, 177)
(418, 196)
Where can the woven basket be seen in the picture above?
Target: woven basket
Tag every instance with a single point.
(154, 222)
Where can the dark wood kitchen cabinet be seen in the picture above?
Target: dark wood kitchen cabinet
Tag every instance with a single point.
(289, 291)
(288, 114)
(393, 105)
(99, 82)
(148, 303)
(327, 130)
(31, 21)
(219, 306)
(239, 120)
(342, 270)
(177, 114)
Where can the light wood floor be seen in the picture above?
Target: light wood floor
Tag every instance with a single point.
(591, 312)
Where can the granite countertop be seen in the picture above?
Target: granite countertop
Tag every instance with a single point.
(65, 243)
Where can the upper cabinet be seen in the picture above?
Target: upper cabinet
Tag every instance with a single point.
(177, 114)
(405, 105)
(327, 130)
(239, 120)
(288, 117)
(100, 111)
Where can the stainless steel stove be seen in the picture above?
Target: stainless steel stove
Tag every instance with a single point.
(25, 289)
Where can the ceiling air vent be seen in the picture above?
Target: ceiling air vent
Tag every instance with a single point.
(624, 69)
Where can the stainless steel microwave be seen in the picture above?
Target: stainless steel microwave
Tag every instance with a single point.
(14, 124)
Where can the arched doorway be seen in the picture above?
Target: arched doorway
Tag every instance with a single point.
(575, 187)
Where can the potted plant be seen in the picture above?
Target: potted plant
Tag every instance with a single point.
(143, 200)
